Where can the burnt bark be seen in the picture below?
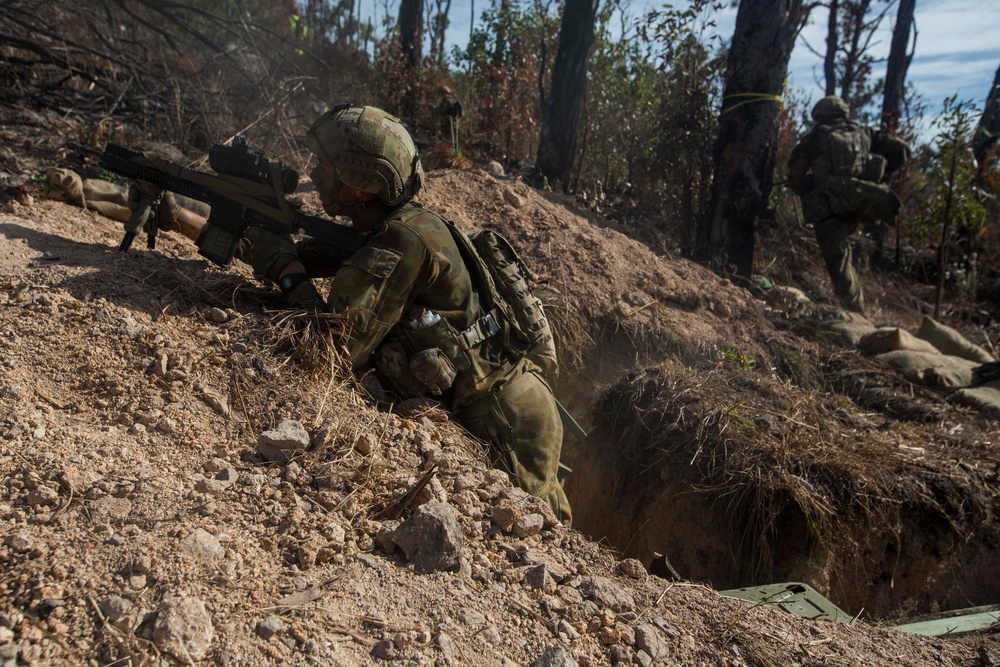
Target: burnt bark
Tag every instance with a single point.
(830, 61)
(557, 146)
(988, 130)
(899, 62)
(746, 148)
(411, 17)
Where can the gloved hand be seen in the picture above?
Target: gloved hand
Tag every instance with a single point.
(304, 295)
(268, 253)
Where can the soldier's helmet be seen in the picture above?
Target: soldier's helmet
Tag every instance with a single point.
(370, 150)
(830, 107)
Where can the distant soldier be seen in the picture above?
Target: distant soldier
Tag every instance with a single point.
(839, 169)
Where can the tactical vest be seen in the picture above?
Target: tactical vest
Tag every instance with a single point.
(430, 353)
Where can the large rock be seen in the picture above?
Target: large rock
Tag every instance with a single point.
(432, 538)
(183, 628)
(607, 594)
(556, 656)
(280, 443)
(648, 638)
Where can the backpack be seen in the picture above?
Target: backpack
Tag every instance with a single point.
(504, 284)
(850, 175)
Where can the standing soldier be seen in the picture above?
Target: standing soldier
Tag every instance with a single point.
(840, 169)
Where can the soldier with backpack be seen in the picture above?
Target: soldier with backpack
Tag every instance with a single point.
(840, 169)
(433, 311)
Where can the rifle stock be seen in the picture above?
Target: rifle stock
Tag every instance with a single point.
(248, 191)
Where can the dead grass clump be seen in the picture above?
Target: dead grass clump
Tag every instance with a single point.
(766, 455)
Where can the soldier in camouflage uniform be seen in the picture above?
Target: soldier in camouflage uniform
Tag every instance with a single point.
(838, 169)
(410, 301)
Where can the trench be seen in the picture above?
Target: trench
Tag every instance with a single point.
(921, 561)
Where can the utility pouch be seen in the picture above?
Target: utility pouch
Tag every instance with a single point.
(433, 369)
(393, 363)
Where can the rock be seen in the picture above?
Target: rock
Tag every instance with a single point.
(202, 545)
(432, 538)
(18, 543)
(278, 444)
(43, 495)
(447, 646)
(384, 650)
(538, 577)
(504, 516)
(383, 538)
(470, 617)
(218, 315)
(620, 655)
(643, 659)
(114, 607)
(230, 475)
(78, 481)
(216, 402)
(515, 200)
(160, 365)
(650, 640)
(556, 656)
(212, 487)
(183, 628)
(566, 628)
(631, 567)
(528, 525)
(269, 626)
(607, 594)
(494, 168)
(214, 465)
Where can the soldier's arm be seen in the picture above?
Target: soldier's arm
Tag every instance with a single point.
(374, 287)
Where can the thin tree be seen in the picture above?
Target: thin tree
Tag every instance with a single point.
(557, 146)
(830, 60)
(746, 147)
(899, 62)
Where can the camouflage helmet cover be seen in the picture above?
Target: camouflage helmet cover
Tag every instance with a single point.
(830, 107)
(370, 150)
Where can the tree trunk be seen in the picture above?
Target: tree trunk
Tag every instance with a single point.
(988, 129)
(411, 17)
(830, 61)
(899, 62)
(557, 146)
(746, 148)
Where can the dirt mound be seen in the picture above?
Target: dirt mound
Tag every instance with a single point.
(142, 526)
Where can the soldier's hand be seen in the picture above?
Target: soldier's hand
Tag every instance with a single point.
(268, 253)
(301, 293)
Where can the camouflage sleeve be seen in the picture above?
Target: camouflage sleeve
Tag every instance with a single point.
(376, 285)
(892, 148)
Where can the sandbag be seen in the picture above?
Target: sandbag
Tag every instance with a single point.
(64, 185)
(985, 398)
(94, 189)
(931, 369)
(890, 339)
(850, 333)
(110, 210)
(949, 341)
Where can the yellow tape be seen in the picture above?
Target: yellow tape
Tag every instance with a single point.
(758, 97)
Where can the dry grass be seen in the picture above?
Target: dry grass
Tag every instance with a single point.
(765, 452)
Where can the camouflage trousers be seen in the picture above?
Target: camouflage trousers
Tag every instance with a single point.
(833, 235)
(521, 423)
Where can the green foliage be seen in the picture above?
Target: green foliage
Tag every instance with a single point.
(730, 354)
(504, 69)
(951, 207)
(949, 198)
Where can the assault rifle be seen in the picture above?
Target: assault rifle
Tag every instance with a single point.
(247, 190)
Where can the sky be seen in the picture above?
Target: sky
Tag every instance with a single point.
(957, 45)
